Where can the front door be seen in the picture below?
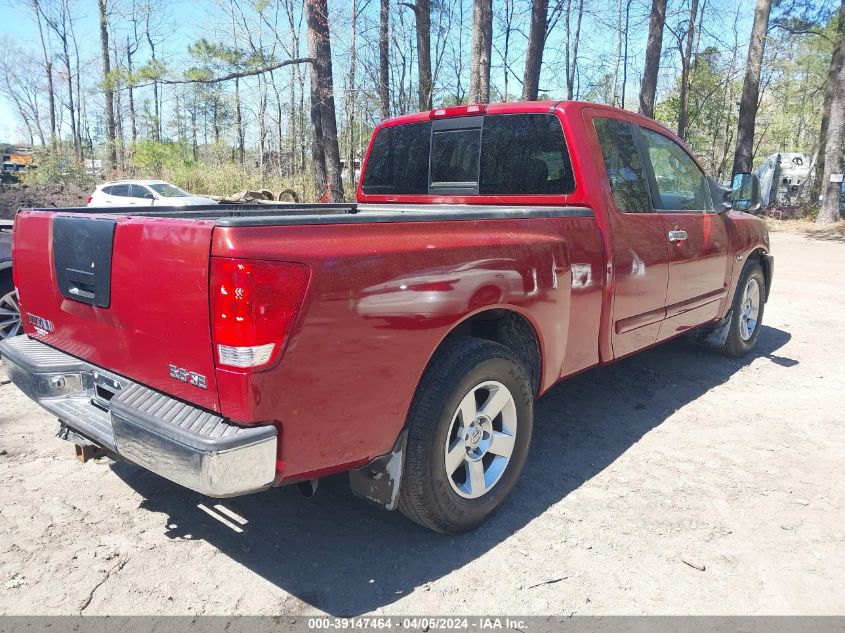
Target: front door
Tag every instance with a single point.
(640, 248)
(695, 234)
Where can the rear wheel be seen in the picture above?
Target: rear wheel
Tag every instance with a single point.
(746, 311)
(468, 436)
(10, 314)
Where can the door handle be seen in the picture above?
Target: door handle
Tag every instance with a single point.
(677, 236)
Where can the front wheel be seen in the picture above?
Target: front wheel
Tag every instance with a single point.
(746, 311)
(468, 436)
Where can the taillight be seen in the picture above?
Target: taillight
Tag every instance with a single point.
(90, 198)
(253, 305)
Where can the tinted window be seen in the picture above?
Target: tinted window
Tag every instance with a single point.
(398, 161)
(120, 190)
(454, 156)
(139, 191)
(681, 185)
(624, 166)
(524, 154)
(106, 190)
(167, 190)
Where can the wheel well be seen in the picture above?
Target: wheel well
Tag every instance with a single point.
(6, 275)
(760, 256)
(511, 330)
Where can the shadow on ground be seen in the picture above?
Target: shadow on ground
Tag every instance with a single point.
(340, 555)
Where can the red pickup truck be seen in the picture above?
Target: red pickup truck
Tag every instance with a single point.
(493, 251)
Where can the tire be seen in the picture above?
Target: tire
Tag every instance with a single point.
(10, 316)
(464, 372)
(741, 338)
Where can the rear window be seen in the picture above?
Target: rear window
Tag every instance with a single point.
(524, 154)
(509, 154)
(398, 162)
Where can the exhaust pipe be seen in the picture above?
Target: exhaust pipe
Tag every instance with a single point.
(308, 488)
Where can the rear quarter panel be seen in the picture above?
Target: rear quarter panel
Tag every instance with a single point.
(342, 390)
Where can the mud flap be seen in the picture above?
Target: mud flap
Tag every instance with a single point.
(716, 336)
(379, 481)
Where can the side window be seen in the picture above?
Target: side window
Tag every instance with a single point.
(524, 154)
(624, 165)
(120, 190)
(681, 186)
(398, 161)
(454, 160)
(141, 192)
(107, 190)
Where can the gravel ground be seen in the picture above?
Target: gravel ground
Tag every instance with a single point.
(674, 482)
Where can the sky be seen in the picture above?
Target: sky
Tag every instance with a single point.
(187, 21)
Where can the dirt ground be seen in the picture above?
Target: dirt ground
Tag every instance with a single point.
(674, 482)
(18, 196)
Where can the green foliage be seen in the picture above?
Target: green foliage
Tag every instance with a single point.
(154, 158)
(59, 165)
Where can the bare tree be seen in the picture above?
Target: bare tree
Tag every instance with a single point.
(111, 149)
(572, 40)
(48, 69)
(653, 49)
(482, 44)
(384, 58)
(325, 150)
(834, 135)
(836, 60)
(534, 52)
(422, 12)
(744, 153)
(686, 63)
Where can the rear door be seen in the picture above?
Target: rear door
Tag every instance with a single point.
(696, 235)
(118, 195)
(129, 294)
(640, 249)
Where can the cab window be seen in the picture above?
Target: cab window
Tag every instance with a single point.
(624, 166)
(681, 185)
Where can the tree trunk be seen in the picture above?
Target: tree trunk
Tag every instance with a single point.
(422, 10)
(239, 123)
(482, 46)
(350, 100)
(744, 153)
(653, 49)
(686, 63)
(534, 52)
(111, 150)
(572, 58)
(132, 124)
(325, 150)
(48, 69)
(384, 59)
(834, 146)
(836, 59)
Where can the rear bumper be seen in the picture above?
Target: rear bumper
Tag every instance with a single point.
(185, 444)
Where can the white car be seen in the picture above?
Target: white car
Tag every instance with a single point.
(143, 193)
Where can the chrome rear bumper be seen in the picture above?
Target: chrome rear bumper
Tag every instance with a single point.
(190, 446)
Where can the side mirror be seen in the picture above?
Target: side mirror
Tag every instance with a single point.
(745, 193)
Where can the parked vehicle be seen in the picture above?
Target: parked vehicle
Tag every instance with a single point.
(234, 348)
(143, 193)
(10, 318)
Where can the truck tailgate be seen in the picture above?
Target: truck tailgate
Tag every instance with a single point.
(126, 293)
